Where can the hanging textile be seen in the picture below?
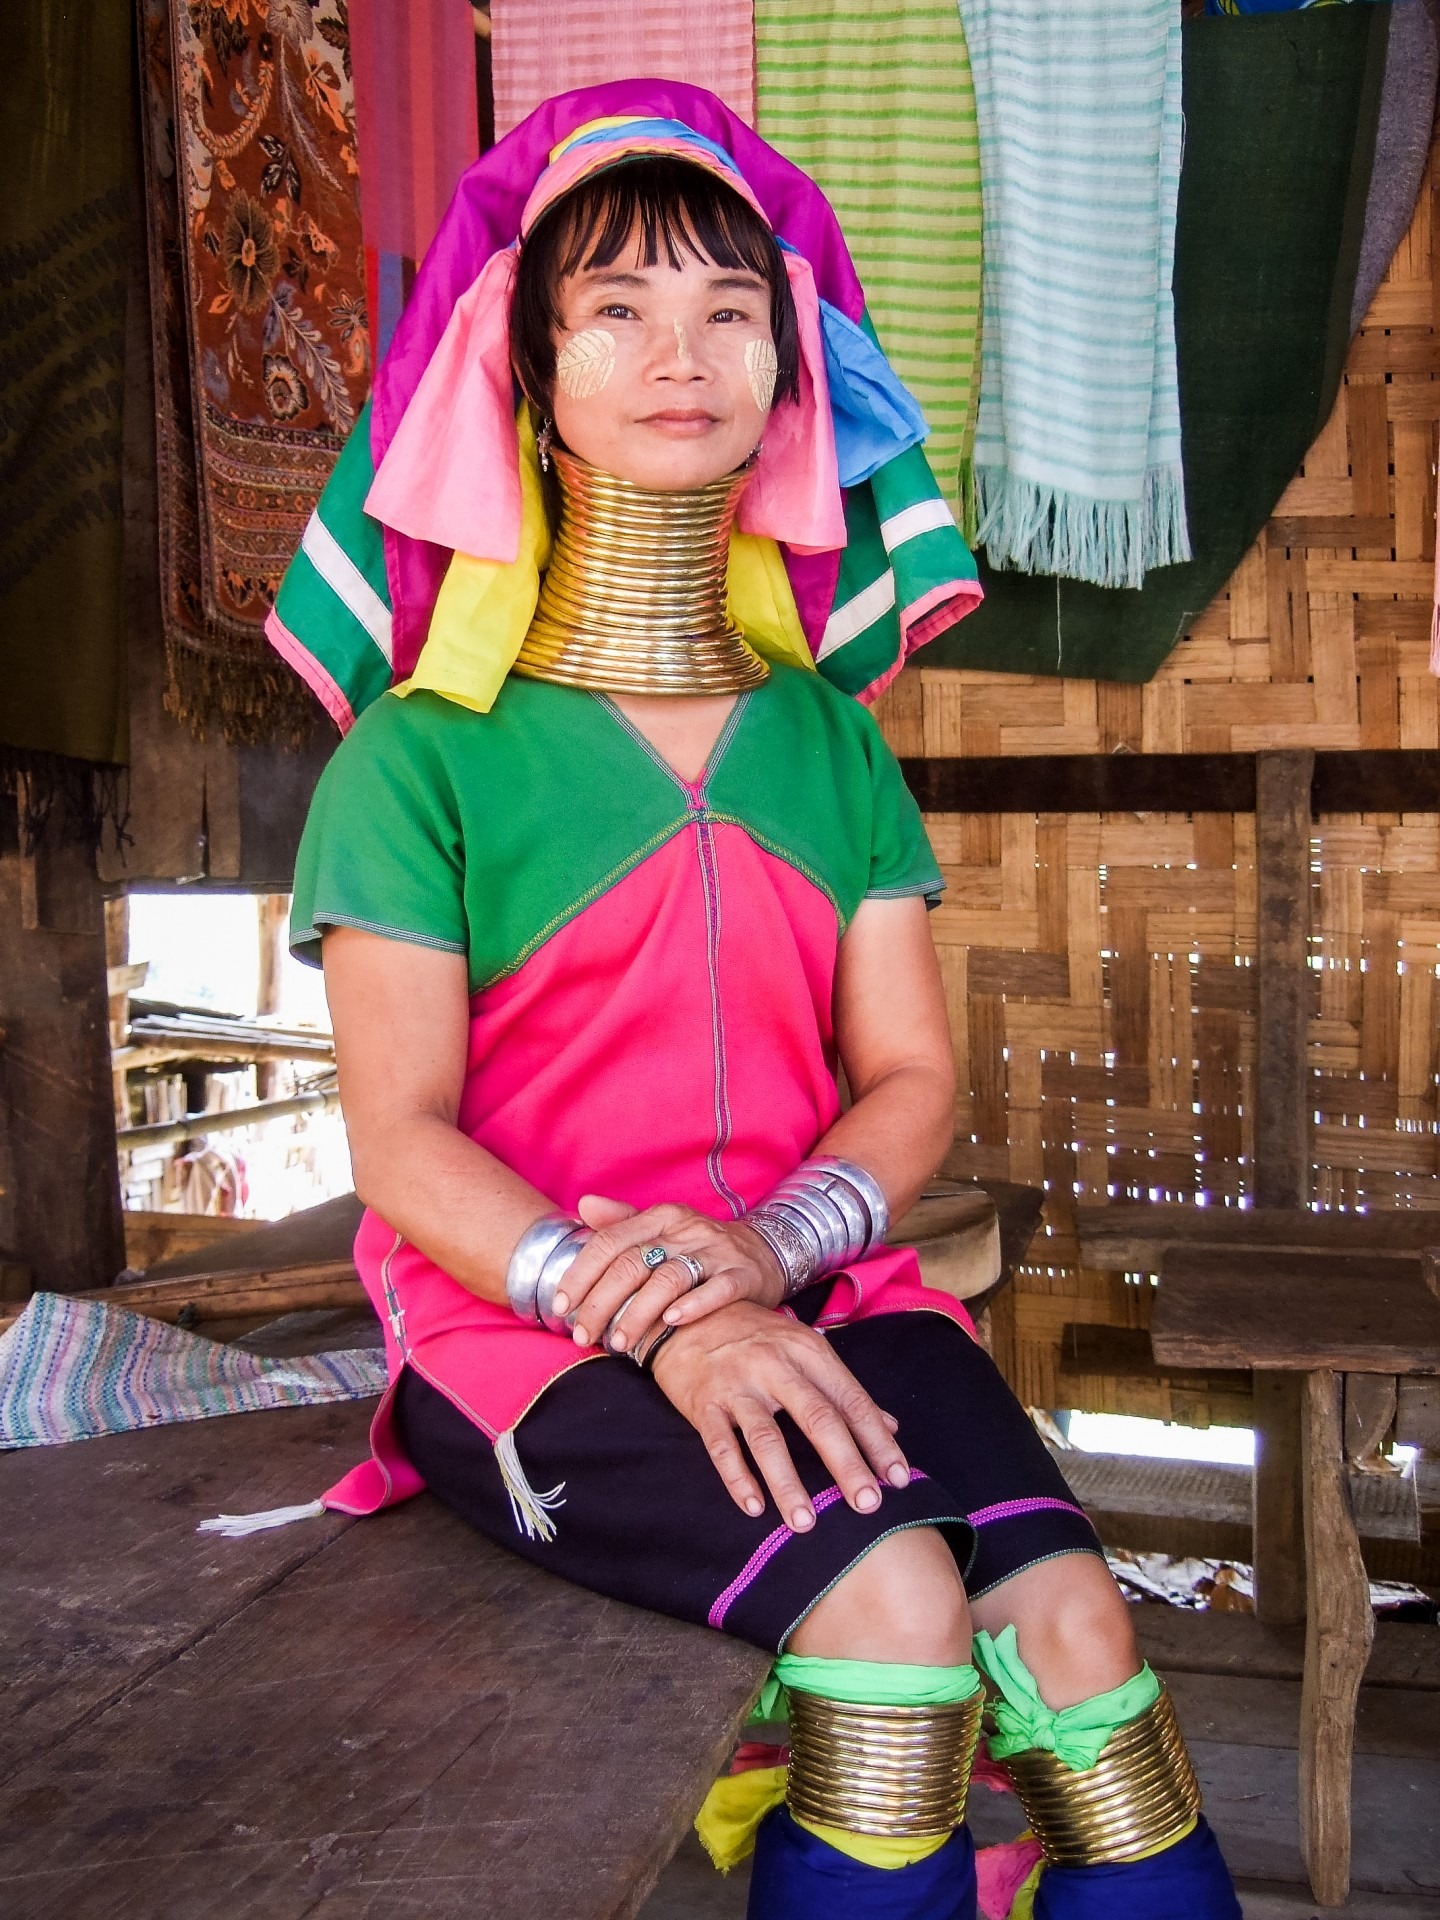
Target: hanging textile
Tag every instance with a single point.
(1402, 142)
(1280, 119)
(259, 330)
(875, 102)
(1077, 446)
(417, 130)
(65, 240)
(545, 47)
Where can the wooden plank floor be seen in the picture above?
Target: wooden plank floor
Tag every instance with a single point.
(382, 1720)
(393, 1721)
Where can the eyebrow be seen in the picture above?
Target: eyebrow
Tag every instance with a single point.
(719, 283)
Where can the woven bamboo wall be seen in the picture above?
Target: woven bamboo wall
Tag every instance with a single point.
(1100, 968)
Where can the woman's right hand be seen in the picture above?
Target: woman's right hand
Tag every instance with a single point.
(731, 1373)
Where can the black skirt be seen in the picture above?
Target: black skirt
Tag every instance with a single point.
(646, 1518)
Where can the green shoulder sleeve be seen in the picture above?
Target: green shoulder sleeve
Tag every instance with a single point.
(382, 847)
(901, 860)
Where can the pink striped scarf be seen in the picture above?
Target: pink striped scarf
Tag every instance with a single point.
(544, 47)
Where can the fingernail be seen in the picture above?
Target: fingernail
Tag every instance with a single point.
(562, 1304)
(801, 1520)
(899, 1475)
(672, 1316)
(754, 1507)
(582, 1338)
(867, 1499)
(617, 1343)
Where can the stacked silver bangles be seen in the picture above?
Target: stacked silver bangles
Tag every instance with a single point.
(543, 1255)
(827, 1214)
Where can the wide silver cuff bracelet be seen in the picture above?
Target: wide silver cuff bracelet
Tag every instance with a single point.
(543, 1256)
(828, 1213)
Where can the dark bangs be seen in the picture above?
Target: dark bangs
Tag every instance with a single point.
(679, 211)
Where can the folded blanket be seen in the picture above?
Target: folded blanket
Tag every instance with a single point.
(1077, 448)
(74, 1369)
(875, 102)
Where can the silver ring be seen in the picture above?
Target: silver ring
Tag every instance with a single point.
(613, 1322)
(652, 1257)
(692, 1266)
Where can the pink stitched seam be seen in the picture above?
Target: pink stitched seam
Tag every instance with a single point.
(1013, 1509)
(767, 1550)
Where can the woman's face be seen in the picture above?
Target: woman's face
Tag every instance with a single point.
(664, 375)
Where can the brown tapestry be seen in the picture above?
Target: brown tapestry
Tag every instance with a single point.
(261, 339)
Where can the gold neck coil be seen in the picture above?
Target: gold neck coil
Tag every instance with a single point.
(634, 600)
(1140, 1795)
(897, 1771)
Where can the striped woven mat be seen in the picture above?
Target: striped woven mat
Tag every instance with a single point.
(873, 98)
(75, 1369)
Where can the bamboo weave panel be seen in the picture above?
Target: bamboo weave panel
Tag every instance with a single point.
(1322, 636)
(1100, 969)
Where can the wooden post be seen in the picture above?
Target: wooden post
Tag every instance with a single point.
(1282, 1148)
(273, 916)
(59, 1185)
(1339, 1631)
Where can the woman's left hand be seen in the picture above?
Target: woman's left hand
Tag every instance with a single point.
(609, 1273)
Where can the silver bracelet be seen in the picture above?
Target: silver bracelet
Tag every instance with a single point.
(543, 1255)
(827, 1214)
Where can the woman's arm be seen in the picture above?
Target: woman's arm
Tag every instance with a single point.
(401, 1015)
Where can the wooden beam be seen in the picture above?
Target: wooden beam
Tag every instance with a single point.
(1340, 1626)
(1389, 780)
(224, 1296)
(1283, 783)
(1133, 1236)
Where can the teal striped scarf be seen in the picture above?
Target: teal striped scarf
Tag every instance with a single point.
(1077, 446)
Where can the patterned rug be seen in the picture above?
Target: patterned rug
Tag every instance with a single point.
(74, 1369)
(260, 334)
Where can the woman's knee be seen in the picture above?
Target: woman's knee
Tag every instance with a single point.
(901, 1604)
(1072, 1624)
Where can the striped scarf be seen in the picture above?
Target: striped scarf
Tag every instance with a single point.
(75, 1369)
(1077, 447)
(875, 102)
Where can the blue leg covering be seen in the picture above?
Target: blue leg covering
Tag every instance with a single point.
(797, 1876)
(1189, 1881)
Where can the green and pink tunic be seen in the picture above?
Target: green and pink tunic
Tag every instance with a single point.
(651, 969)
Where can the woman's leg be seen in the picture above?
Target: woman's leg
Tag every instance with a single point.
(1092, 1746)
(884, 1720)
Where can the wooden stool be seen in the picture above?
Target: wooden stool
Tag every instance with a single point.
(1326, 1316)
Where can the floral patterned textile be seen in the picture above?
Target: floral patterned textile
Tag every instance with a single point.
(259, 323)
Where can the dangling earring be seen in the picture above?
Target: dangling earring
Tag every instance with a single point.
(542, 442)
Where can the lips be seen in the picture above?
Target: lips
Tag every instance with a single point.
(676, 421)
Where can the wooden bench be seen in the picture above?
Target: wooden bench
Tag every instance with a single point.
(1327, 1317)
(387, 1717)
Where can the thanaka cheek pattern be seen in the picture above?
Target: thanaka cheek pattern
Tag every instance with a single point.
(585, 363)
(762, 365)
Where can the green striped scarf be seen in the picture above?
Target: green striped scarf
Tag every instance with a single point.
(905, 575)
(873, 98)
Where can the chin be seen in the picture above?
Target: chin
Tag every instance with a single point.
(659, 463)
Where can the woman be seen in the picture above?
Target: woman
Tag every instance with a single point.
(606, 892)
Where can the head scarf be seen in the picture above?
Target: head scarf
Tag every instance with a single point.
(845, 553)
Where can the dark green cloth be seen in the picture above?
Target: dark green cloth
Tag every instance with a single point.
(66, 157)
(1280, 118)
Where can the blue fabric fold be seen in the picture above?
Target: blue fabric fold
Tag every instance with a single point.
(876, 417)
(1188, 1881)
(797, 1876)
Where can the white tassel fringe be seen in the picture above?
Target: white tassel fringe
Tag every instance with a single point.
(532, 1510)
(235, 1526)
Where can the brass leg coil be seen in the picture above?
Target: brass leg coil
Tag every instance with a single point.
(1140, 1795)
(901, 1772)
